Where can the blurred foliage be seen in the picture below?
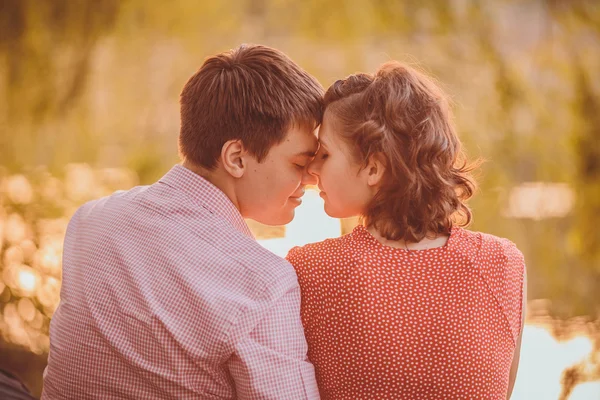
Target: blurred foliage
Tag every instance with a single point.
(34, 212)
(45, 51)
(97, 82)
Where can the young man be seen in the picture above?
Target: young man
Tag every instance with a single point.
(165, 292)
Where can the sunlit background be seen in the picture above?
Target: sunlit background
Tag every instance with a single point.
(89, 105)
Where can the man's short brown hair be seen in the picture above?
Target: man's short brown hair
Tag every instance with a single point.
(252, 93)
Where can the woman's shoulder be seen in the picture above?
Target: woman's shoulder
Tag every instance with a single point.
(501, 266)
(320, 254)
(499, 251)
(318, 250)
(487, 249)
(497, 260)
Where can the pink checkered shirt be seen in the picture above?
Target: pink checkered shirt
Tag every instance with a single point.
(166, 295)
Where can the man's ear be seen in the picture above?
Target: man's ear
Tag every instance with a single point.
(374, 170)
(233, 158)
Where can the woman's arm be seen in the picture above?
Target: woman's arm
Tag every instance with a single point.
(515, 362)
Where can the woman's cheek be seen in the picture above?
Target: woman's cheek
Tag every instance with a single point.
(324, 176)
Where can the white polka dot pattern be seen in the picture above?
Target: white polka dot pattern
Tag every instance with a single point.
(390, 323)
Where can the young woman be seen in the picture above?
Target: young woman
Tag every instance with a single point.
(410, 305)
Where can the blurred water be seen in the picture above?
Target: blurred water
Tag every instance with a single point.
(310, 225)
(543, 360)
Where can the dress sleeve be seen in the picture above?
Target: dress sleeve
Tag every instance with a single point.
(502, 266)
(296, 257)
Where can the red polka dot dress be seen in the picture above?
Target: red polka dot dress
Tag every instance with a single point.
(389, 323)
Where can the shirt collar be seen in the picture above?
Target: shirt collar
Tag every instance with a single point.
(207, 194)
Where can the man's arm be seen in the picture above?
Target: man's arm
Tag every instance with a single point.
(271, 362)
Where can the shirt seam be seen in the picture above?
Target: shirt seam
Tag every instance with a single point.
(220, 196)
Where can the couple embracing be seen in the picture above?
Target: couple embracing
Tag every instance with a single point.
(167, 295)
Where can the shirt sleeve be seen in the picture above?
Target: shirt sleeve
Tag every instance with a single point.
(270, 362)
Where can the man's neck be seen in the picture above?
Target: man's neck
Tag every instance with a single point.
(217, 177)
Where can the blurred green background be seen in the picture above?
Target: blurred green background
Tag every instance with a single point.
(89, 104)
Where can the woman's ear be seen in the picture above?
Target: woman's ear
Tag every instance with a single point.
(233, 158)
(375, 169)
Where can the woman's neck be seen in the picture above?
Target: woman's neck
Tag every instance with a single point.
(424, 244)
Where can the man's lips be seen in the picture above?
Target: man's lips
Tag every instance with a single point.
(299, 194)
(297, 199)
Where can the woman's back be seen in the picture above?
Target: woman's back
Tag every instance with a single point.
(383, 322)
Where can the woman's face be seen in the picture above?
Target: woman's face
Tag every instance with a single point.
(344, 184)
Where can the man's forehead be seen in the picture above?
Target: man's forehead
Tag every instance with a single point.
(304, 141)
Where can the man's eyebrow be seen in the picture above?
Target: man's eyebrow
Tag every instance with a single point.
(307, 153)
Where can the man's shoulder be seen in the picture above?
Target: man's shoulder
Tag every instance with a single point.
(246, 253)
(119, 199)
(190, 228)
(220, 240)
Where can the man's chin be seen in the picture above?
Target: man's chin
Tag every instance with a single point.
(283, 218)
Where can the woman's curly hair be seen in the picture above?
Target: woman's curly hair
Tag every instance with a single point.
(401, 116)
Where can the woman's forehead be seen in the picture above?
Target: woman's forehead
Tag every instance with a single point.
(327, 130)
(326, 126)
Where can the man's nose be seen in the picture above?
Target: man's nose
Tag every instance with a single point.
(309, 178)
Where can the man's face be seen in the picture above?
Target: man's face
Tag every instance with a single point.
(270, 191)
